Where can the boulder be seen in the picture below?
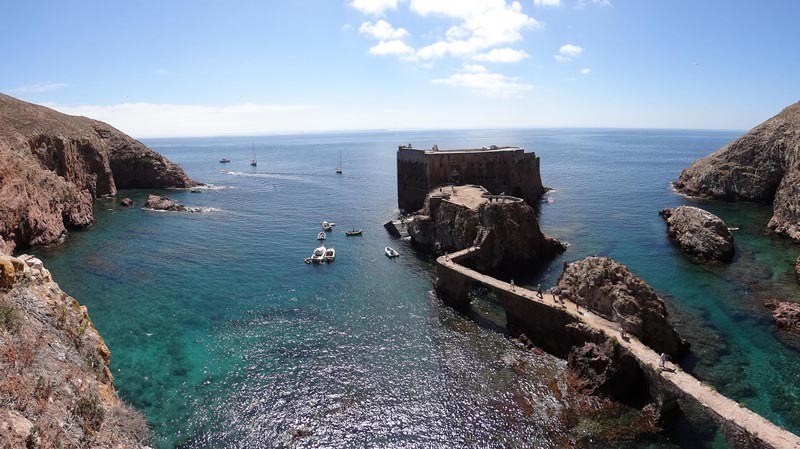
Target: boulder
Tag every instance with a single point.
(156, 202)
(609, 289)
(785, 315)
(126, 202)
(699, 233)
(760, 166)
(603, 369)
(53, 166)
(11, 268)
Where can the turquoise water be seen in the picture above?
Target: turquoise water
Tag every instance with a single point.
(224, 337)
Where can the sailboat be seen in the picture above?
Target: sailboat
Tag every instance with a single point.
(254, 162)
(339, 167)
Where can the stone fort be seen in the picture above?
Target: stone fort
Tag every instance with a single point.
(508, 170)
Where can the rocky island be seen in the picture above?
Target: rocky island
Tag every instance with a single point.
(699, 233)
(760, 166)
(506, 228)
(53, 166)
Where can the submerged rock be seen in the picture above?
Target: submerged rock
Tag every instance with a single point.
(699, 233)
(612, 291)
(760, 166)
(126, 202)
(53, 165)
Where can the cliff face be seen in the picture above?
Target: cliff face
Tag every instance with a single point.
(56, 389)
(761, 166)
(513, 235)
(612, 291)
(52, 166)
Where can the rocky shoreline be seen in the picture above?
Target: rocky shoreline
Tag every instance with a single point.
(56, 388)
(53, 166)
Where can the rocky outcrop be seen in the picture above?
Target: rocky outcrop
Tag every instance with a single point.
(162, 203)
(508, 233)
(761, 166)
(612, 291)
(52, 166)
(785, 315)
(126, 202)
(56, 389)
(699, 233)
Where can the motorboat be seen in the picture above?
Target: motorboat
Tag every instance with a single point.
(318, 256)
(328, 226)
(390, 252)
(353, 232)
(195, 190)
(321, 236)
(224, 160)
(330, 254)
(339, 166)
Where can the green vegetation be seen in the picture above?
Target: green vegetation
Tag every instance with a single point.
(91, 412)
(9, 316)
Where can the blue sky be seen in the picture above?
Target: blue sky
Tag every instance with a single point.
(192, 68)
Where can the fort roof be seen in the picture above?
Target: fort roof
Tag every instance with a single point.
(487, 149)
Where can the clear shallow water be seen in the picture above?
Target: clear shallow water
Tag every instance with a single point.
(224, 337)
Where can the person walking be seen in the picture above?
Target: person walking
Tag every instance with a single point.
(512, 285)
(622, 332)
(662, 363)
(539, 291)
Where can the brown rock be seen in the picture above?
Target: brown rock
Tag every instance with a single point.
(612, 291)
(126, 202)
(604, 370)
(156, 202)
(699, 233)
(759, 166)
(785, 315)
(52, 166)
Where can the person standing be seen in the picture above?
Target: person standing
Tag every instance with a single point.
(539, 291)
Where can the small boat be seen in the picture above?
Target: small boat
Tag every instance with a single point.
(318, 256)
(321, 236)
(328, 226)
(195, 190)
(353, 232)
(390, 252)
(254, 162)
(339, 166)
(307, 260)
(733, 229)
(330, 254)
(224, 160)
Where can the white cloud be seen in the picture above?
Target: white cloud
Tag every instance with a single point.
(382, 30)
(586, 71)
(175, 120)
(483, 82)
(161, 71)
(483, 24)
(546, 2)
(393, 47)
(39, 88)
(502, 55)
(374, 7)
(568, 52)
(583, 3)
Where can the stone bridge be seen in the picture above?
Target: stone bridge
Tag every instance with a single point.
(551, 326)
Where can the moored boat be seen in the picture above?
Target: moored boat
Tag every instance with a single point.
(321, 236)
(390, 252)
(318, 256)
(330, 254)
(353, 232)
(224, 160)
(328, 226)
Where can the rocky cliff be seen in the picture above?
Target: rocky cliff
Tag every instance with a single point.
(612, 291)
(508, 232)
(56, 389)
(699, 233)
(52, 166)
(761, 166)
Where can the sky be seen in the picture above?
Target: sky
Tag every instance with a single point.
(201, 68)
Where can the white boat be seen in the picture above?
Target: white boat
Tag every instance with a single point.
(318, 256)
(321, 236)
(328, 226)
(390, 252)
(339, 166)
(330, 254)
(253, 162)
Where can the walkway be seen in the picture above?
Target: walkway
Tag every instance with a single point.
(750, 422)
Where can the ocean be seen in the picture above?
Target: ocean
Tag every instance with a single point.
(223, 337)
